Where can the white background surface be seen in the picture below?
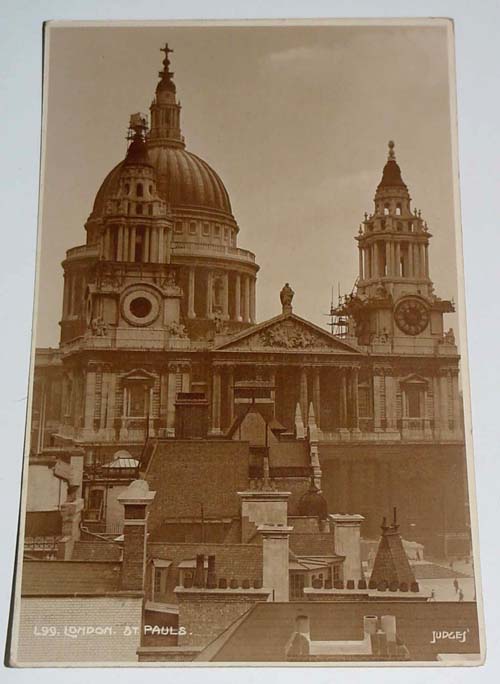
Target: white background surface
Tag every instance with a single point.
(477, 26)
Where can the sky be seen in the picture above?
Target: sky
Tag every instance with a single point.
(295, 120)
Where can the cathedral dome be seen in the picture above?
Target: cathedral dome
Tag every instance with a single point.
(184, 181)
(313, 503)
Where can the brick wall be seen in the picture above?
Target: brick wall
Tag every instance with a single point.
(232, 561)
(205, 618)
(118, 616)
(211, 472)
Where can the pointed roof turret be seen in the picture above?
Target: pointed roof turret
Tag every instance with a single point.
(391, 175)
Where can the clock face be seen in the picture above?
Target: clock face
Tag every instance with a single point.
(411, 316)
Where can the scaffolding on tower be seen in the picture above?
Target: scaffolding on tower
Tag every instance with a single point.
(339, 321)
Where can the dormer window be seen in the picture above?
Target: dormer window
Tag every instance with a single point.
(206, 229)
(217, 231)
(139, 190)
(178, 227)
(192, 228)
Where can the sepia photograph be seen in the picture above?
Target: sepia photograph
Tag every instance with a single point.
(248, 432)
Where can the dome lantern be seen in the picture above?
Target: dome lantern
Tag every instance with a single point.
(166, 110)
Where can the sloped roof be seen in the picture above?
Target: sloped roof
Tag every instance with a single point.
(66, 578)
(391, 562)
(248, 639)
(287, 333)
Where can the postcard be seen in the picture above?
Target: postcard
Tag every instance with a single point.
(249, 438)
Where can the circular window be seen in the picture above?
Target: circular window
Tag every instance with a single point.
(140, 307)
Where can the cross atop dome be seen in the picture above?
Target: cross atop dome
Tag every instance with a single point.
(166, 75)
(391, 154)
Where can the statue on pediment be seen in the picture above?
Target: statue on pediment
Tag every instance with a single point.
(286, 297)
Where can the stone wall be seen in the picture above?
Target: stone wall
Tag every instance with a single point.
(78, 630)
(426, 482)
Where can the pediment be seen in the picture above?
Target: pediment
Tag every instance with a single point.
(138, 375)
(287, 333)
(413, 379)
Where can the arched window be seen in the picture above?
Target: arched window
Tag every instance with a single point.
(398, 210)
(139, 190)
(127, 188)
(386, 210)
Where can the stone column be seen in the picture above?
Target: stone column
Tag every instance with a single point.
(411, 263)
(132, 244)
(426, 260)
(107, 254)
(455, 399)
(360, 256)
(145, 247)
(390, 400)
(343, 398)
(252, 300)
(171, 397)
(110, 417)
(443, 395)
(90, 381)
(210, 293)
(191, 290)
(303, 394)
(120, 244)
(354, 400)
(388, 262)
(216, 401)
(375, 272)
(237, 297)
(168, 241)
(230, 394)
(225, 295)
(317, 396)
(246, 299)
(378, 379)
(161, 244)
(422, 259)
(398, 260)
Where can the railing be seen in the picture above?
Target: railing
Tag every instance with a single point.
(82, 251)
(202, 248)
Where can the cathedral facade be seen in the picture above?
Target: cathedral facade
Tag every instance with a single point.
(159, 341)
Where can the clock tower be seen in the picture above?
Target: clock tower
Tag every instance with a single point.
(394, 307)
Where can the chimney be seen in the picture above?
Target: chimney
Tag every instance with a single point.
(347, 536)
(275, 569)
(199, 573)
(135, 501)
(211, 576)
